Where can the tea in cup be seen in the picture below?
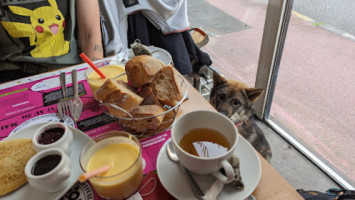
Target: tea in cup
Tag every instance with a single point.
(203, 141)
(122, 152)
(110, 71)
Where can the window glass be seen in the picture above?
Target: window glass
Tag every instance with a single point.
(314, 97)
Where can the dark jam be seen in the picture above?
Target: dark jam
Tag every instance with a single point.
(46, 164)
(51, 135)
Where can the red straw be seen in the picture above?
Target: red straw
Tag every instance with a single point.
(92, 65)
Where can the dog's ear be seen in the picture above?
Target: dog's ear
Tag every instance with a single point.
(253, 93)
(218, 79)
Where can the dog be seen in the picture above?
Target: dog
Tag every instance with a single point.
(235, 100)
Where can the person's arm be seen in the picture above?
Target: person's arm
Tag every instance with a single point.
(89, 31)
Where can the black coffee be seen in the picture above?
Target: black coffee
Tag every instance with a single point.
(46, 164)
(51, 135)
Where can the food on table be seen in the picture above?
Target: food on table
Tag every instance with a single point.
(45, 164)
(166, 87)
(110, 71)
(51, 135)
(140, 69)
(14, 156)
(149, 97)
(149, 83)
(117, 93)
(144, 111)
(125, 173)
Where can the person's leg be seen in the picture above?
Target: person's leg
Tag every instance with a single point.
(140, 28)
(10, 75)
(137, 29)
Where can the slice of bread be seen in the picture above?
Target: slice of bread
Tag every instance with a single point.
(141, 125)
(117, 93)
(140, 69)
(14, 156)
(166, 87)
(149, 97)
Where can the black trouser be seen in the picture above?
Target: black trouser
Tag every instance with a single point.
(181, 46)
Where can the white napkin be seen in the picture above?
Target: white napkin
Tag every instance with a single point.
(216, 188)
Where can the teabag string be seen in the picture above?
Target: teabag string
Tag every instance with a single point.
(217, 186)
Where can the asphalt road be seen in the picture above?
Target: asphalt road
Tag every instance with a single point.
(339, 14)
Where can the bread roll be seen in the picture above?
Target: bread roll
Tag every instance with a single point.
(140, 69)
(141, 125)
(166, 87)
(117, 93)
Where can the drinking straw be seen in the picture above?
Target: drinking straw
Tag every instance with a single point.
(91, 64)
(95, 172)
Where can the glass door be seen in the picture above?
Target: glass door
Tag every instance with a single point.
(311, 89)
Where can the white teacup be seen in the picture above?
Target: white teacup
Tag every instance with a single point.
(63, 142)
(202, 165)
(51, 179)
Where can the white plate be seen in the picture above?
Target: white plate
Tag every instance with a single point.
(27, 191)
(175, 183)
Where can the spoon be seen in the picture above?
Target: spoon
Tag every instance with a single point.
(194, 186)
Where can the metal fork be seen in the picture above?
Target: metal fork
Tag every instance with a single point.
(64, 105)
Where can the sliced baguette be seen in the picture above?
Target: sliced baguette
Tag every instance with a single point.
(141, 125)
(166, 87)
(117, 93)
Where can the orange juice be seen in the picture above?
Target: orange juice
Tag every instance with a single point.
(110, 71)
(122, 152)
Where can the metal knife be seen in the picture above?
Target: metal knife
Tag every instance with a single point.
(77, 103)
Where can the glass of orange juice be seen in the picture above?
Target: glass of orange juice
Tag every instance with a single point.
(123, 153)
(111, 70)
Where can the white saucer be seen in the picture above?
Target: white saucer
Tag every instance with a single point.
(27, 191)
(175, 183)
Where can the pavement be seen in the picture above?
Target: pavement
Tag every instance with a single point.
(313, 95)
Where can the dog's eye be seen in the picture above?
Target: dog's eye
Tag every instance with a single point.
(236, 102)
(222, 96)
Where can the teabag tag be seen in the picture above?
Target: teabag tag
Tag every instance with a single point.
(139, 49)
(209, 149)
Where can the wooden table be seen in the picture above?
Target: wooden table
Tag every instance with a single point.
(272, 185)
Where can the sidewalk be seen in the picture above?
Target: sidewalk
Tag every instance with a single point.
(316, 71)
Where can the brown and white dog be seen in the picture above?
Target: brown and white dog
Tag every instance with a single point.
(235, 100)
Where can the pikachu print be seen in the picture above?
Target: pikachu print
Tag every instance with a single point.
(45, 33)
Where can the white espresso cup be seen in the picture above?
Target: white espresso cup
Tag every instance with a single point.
(54, 174)
(206, 165)
(64, 142)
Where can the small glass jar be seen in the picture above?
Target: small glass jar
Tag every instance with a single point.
(123, 153)
(111, 70)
